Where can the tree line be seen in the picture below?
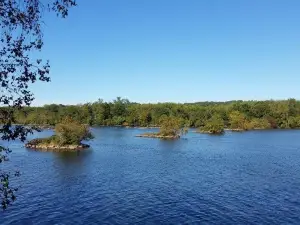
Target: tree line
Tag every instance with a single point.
(122, 112)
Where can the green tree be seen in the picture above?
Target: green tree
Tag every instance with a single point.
(294, 122)
(133, 115)
(259, 123)
(21, 35)
(292, 107)
(70, 132)
(158, 111)
(238, 121)
(98, 112)
(171, 126)
(215, 125)
(86, 114)
(263, 114)
(145, 117)
(260, 109)
(119, 106)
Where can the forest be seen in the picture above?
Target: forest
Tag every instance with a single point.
(244, 115)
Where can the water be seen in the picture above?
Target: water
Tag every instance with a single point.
(237, 178)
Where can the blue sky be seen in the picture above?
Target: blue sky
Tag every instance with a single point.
(173, 50)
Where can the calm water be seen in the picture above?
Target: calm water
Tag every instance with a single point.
(238, 178)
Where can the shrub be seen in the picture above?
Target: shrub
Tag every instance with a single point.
(171, 126)
(238, 121)
(70, 132)
(214, 125)
(259, 124)
(294, 122)
(48, 140)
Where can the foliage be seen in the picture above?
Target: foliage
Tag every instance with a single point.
(70, 132)
(171, 126)
(21, 35)
(214, 125)
(150, 114)
(46, 141)
(235, 114)
(238, 121)
(294, 121)
(259, 123)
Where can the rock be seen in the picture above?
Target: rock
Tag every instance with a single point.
(37, 146)
(156, 135)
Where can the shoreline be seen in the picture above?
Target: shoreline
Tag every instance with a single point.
(156, 135)
(50, 147)
(51, 127)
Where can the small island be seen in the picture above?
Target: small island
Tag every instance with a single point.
(68, 136)
(214, 125)
(171, 129)
(237, 122)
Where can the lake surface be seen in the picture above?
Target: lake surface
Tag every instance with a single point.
(237, 178)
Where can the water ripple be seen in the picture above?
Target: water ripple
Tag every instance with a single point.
(249, 178)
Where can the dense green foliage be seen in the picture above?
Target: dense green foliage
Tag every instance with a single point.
(236, 114)
(215, 125)
(171, 126)
(70, 132)
(238, 121)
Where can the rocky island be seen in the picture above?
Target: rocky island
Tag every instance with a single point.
(68, 136)
(44, 144)
(158, 135)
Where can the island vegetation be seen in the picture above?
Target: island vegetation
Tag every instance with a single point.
(170, 128)
(214, 125)
(234, 115)
(69, 135)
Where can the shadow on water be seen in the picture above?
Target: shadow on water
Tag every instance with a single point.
(71, 168)
(171, 145)
(76, 157)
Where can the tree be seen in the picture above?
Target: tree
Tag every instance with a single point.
(98, 112)
(294, 122)
(238, 121)
(119, 106)
(21, 34)
(259, 123)
(71, 132)
(214, 125)
(171, 126)
(132, 118)
(86, 114)
(145, 117)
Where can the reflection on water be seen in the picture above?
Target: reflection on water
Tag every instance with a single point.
(76, 157)
(70, 166)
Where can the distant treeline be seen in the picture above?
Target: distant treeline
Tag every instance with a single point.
(234, 114)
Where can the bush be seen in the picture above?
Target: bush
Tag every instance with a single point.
(118, 120)
(171, 126)
(238, 121)
(259, 124)
(294, 122)
(215, 125)
(48, 140)
(70, 132)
